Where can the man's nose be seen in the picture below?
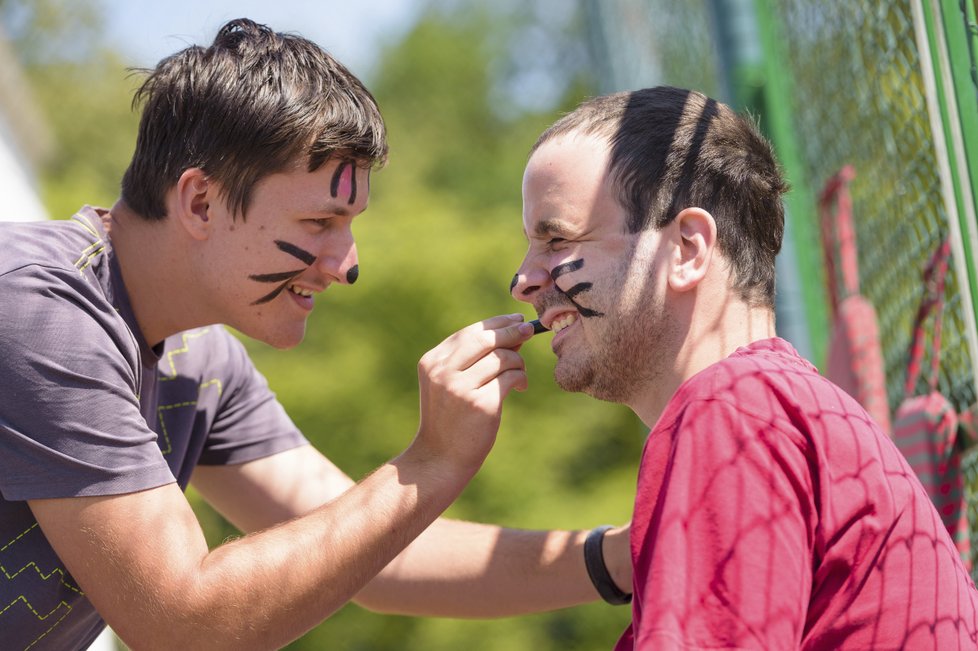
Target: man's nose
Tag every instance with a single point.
(528, 281)
(340, 260)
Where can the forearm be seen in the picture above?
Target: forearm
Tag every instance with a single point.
(463, 569)
(266, 589)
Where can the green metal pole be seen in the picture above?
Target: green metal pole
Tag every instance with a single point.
(950, 41)
(769, 89)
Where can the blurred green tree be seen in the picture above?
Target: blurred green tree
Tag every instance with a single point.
(82, 85)
(463, 95)
(438, 248)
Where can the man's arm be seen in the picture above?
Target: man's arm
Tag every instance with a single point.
(142, 560)
(453, 569)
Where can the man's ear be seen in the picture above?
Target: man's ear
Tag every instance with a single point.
(190, 202)
(696, 240)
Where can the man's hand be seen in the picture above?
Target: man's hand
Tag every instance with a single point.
(463, 382)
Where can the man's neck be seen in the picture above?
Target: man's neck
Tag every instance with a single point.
(709, 339)
(153, 272)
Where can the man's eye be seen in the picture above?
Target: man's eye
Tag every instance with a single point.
(322, 222)
(555, 242)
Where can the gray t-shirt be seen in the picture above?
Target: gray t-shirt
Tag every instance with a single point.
(88, 408)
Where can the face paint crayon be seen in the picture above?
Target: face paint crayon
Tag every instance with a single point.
(538, 327)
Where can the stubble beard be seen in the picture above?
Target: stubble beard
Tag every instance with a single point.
(627, 360)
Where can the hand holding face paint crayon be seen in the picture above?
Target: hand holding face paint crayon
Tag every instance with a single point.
(463, 382)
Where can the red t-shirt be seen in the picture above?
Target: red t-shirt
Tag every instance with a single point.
(772, 513)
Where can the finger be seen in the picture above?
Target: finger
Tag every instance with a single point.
(493, 323)
(489, 397)
(491, 366)
(513, 381)
(470, 344)
(471, 330)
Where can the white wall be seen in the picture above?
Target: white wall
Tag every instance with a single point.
(20, 201)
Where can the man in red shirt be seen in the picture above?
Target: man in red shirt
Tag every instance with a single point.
(771, 511)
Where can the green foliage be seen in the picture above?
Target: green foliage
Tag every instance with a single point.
(85, 94)
(438, 247)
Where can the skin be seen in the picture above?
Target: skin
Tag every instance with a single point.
(317, 538)
(651, 308)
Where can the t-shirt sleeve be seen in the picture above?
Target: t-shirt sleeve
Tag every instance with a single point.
(726, 562)
(250, 422)
(70, 423)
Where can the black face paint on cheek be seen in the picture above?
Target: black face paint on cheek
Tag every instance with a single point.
(286, 276)
(352, 274)
(295, 251)
(566, 268)
(283, 277)
(579, 288)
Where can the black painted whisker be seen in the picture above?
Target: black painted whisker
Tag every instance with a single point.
(295, 251)
(276, 277)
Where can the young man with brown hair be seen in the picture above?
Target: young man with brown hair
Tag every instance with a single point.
(771, 511)
(252, 161)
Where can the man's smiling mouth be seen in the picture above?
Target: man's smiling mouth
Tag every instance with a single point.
(563, 322)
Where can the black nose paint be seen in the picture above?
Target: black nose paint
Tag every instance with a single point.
(352, 274)
(513, 282)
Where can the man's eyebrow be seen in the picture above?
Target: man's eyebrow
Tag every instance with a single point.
(550, 227)
(333, 209)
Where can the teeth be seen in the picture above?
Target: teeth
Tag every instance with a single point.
(563, 322)
(300, 291)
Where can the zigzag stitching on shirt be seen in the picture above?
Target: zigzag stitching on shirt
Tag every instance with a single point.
(179, 351)
(39, 616)
(92, 251)
(87, 251)
(82, 221)
(57, 570)
(22, 534)
(41, 574)
(162, 408)
(91, 258)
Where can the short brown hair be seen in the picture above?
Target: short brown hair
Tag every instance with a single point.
(244, 108)
(672, 149)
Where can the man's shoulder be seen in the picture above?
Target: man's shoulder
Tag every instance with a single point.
(72, 244)
(763, 363)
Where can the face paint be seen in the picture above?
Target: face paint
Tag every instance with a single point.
(282, 277)
(295, 251)
(566, 268)
(513, 282)
(343, 183)
(579, 288)
(538, 327)
(352, 274)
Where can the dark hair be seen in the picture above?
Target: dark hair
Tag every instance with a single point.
(244, 108)
(672, 149)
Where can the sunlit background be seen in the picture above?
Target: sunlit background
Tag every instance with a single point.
(466, 87)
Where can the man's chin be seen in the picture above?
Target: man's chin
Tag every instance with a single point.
(282, 338)
(587, 383)
(572, 380)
